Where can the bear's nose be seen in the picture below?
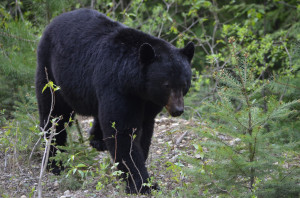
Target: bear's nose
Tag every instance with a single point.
(177, 112)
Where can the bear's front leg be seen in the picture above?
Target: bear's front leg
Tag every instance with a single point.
(121, 125)
(151, 110)
(129, 156)
(96, 137)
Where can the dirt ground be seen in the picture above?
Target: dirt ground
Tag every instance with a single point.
(173, 137)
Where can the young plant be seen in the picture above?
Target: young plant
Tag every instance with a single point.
(242, 159)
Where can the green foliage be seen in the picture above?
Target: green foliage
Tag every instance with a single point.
(176, 169)
(82, 166)
(18, 137)
(51, 85)
(17, 58)
(78, 159)
(243, 156)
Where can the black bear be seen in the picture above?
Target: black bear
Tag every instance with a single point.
(115, 74)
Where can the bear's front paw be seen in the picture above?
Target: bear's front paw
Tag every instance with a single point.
(142, 190)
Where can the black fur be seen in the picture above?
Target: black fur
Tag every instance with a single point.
(115, 74)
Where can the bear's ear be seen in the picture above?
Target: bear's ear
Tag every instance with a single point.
(188, 51)
(146, 53)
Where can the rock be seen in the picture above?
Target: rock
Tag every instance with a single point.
(160, 140)
(161, 127)
(163, 119)
(56, 184)
(173, 159)
(67, 193)
(23, 196)
(174, 124)
(198, 156)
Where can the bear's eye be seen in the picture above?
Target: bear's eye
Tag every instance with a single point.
(166, 85)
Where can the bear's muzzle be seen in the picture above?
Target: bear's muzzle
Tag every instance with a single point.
(175, 105)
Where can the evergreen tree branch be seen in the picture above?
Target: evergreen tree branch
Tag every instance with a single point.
(17, 37)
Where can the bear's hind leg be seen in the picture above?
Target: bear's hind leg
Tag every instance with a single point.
(59, 139)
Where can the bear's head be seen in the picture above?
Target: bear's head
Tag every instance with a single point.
(167, 72)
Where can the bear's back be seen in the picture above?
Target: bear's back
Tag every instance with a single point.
(79, 28)
(84, 18)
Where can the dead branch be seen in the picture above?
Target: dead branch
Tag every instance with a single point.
(133, 130)
(130, 175)
(47, 140)
(181, 137)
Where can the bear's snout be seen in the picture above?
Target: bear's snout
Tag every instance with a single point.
(175, 105)
(176, 112)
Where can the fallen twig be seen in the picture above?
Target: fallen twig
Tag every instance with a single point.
(181, 137)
